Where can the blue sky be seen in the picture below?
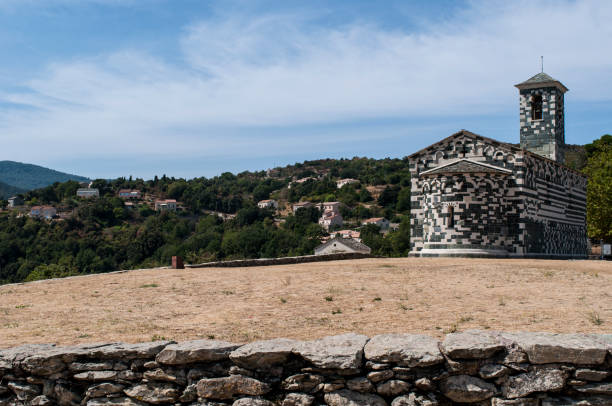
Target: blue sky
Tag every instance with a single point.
(107, 88)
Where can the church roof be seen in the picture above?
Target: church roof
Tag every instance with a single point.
(466, 166)
(468, 134)
(541, 80)
(348, 242)
(498, 144)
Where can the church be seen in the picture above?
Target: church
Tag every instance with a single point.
(477, 197)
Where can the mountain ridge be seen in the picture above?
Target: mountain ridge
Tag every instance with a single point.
(24, 177)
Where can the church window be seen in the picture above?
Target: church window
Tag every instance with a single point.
(451, 216)
(536, 107)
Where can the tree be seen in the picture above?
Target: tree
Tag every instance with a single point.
(599, 189)
(403, 200)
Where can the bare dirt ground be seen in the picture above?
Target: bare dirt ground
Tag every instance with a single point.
(371, 296)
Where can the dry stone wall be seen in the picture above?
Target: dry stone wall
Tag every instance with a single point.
(473, 367)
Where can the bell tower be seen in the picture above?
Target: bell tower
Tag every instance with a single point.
(542, 116)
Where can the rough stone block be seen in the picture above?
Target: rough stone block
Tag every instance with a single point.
(229, 387)
(471, 344)
(541, 380)
(548, 348)
(262, 354)
(195, 351)
(336, 352)
(466, 389)
(349, 398)
(408, 350)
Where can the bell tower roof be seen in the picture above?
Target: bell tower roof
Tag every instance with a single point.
(541, 80)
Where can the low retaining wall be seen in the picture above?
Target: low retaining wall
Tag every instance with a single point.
(279, 261)
(474, 367)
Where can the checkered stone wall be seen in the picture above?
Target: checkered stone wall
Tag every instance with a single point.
(545, 137)
(503, 199)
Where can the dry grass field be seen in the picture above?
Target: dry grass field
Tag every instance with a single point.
(371, 296)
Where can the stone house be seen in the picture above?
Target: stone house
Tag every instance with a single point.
(333, 207)
(348, 181)
(268, 204)
(331, 219)
(475, 196)
(88, 193)
(129, 194)
(340, 245)
(301, 205)
(381, 222)
(44, 212)
(347, 234)
(165, 205)
(15, 201)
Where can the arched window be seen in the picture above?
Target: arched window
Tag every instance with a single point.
(536, 107)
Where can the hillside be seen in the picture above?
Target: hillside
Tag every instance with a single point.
(7, 191)
(218, 218)
(29, 177)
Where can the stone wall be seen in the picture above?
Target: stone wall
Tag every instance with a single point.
(473, 367)
(281, 261)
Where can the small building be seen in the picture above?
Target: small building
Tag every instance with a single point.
(347, 234)
(15, 201)
(129, 194)
(348, 181)
(381, 222)
(301, 205)
(88, 192)
(341, 246)
(268, 204)
(165, 205)
(333, 207)
(46, 212)
(330, 219)
(300, 181)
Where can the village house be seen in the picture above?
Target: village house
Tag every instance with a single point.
(340, 245)
(475, 196)
(15, 201)
(129, 194)
(330, 219)
(347, 234)
(329, 207)
(268, 204)
(165, 205)
(46, 212)
(301, 205)
(300, 181)
(88, 193)
(381, 222)
(348, 181)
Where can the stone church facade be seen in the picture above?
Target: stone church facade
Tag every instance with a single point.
(475, 196)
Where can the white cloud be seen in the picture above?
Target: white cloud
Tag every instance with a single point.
(245, 72)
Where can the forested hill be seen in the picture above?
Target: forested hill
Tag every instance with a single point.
(28, 176)
(219, 218)
(7, 191)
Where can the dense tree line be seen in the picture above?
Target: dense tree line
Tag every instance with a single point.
(599, 191)
(102, 235)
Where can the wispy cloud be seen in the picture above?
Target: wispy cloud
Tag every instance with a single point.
(242, 72)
